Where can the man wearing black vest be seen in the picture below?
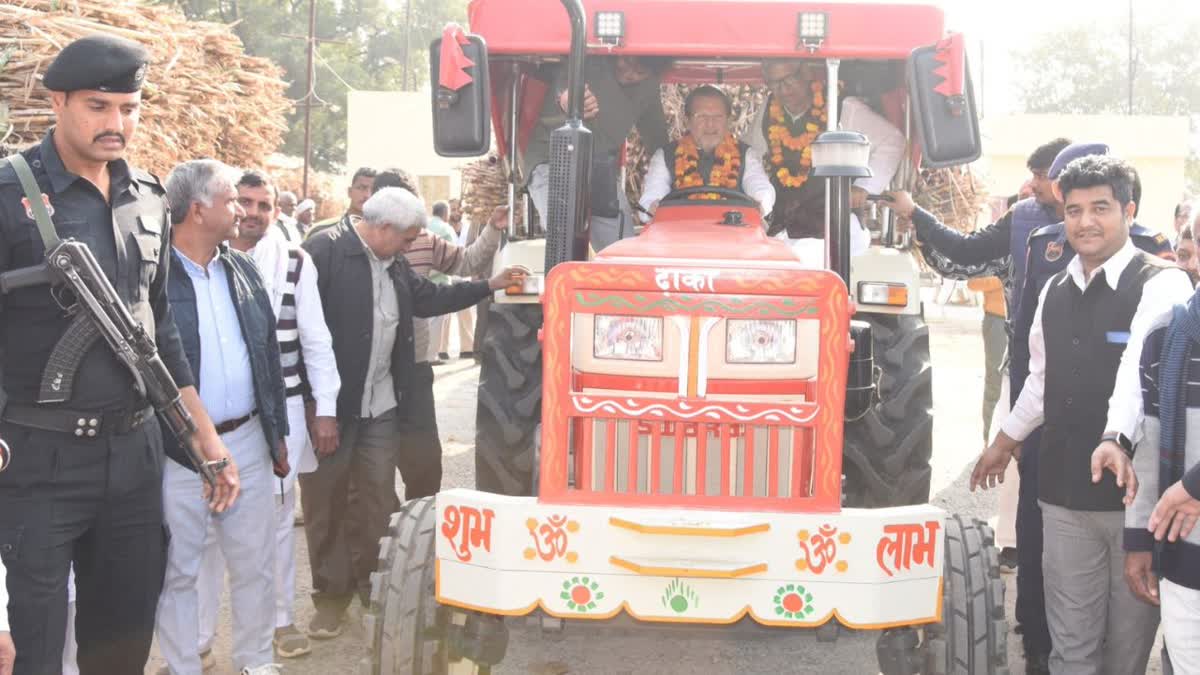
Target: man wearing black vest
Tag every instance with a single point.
(1086, 338)
(783, 131)
(708, 155)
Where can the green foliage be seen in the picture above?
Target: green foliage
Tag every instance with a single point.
(361, 45)
(1084, 70)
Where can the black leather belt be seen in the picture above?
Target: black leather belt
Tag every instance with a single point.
(82, 423)
(232, 425)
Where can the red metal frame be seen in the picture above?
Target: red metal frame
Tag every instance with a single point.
(733, 29)
(817, 295)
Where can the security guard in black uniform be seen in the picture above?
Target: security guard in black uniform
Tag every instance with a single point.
(85, 481)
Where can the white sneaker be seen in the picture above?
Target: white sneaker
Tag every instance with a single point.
(267, 669)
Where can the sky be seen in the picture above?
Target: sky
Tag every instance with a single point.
(997, 28)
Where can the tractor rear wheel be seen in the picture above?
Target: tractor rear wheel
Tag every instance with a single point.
(972, 638)
(887, 452)
(510, 400)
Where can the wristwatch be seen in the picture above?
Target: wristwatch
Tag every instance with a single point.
(1120, 439)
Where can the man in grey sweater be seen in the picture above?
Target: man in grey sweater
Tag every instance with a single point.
(622, 93)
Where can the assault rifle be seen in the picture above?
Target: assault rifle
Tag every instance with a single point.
(81, 288)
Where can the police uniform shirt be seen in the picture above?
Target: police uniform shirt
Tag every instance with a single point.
(128, 234)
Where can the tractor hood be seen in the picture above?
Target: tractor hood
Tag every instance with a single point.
(696, 233)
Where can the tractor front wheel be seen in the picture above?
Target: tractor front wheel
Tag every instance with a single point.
(972, 638)
(886, 453)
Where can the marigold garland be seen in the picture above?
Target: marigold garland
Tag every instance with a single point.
(790, 156)
(726, 171)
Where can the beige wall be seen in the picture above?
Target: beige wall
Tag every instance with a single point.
(1156, 145)
(386, 128)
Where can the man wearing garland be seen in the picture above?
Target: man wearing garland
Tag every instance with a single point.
(783, 132)
(708, 155)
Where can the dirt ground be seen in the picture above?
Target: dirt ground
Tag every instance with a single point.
(958, 386)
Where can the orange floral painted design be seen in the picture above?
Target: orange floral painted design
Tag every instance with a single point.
(790, 156)
(726, 171)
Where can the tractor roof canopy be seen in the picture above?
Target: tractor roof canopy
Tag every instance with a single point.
(728, 29)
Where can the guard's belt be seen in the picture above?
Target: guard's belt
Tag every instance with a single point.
(82, 423)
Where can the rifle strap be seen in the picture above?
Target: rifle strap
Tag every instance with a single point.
(33, 195)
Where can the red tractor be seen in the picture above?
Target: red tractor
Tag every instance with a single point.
(688, 427)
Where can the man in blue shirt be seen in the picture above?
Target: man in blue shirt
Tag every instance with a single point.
(227, 328)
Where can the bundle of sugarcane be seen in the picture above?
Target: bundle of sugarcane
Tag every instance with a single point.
(204, 97)
(954, 195)
(484, 187)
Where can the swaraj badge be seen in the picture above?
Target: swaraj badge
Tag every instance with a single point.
(1054, 251)
(29, 207)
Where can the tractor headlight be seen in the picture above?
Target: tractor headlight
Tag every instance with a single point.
(882, 293)
(628, 338)
(760, 341)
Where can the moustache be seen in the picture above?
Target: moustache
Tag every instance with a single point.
(110, 134)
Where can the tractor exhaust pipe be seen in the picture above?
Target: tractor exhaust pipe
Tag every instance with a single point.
(575, 83)
(567, 232)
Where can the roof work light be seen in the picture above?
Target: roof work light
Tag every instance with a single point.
(814, 28)
(610, 27)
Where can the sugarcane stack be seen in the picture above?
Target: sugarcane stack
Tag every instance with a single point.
(204, 96)
(954, 195)
(484, 187)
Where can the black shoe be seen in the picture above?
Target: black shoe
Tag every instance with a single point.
(466, 355)
(1037, 664)
(1008, 559)
(443, 356)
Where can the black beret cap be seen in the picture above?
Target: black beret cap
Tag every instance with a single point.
(100, 62)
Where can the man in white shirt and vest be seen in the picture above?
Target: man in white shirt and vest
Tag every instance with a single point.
(782, 133)
(311, 380)
(707, 156)
(1084, 346)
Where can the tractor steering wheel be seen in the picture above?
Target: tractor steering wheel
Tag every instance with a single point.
(677, 197)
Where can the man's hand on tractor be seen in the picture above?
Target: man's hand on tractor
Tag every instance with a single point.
(989, 470)
(591, 107)
(499, 218)
(509, 276)
(1110, 456)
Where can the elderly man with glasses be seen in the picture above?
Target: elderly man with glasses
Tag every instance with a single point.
(782, 132)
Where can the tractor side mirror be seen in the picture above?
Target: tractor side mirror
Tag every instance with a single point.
(458, 76)
(943, 101)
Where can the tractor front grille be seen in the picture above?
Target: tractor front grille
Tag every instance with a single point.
(691, 459)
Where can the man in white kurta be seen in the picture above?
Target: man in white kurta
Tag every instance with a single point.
(708, 111)
(798, 87)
